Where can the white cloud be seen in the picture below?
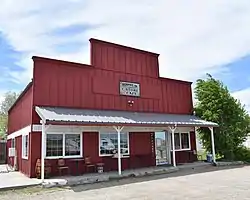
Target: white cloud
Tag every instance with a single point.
(193, 37)
(244, 97)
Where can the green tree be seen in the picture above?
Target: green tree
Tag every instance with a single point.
(8, 101)
(215, 103)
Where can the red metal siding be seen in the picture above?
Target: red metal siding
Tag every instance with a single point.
(20, 115)
(23, 164)
(35, 151)
(141, 154)
(58, 84)
(91, 145)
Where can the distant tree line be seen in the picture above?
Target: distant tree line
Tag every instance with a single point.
(8, 100)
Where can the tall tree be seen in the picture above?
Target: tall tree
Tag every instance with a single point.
(8, 101)
(215, 103)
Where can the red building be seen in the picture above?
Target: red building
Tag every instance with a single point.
(117, 111)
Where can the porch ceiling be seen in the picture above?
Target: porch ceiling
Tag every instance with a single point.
(84, 116)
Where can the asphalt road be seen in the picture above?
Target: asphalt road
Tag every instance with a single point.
(201, 184)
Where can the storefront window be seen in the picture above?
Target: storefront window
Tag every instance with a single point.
(72, 145)
(54, 145)
(109, 143)
(177, 141)
(63, 145)
(13, 143)
(185, 141)
(181, 141)
(25, 146)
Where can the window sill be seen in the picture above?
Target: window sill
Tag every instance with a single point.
(124, 156)
(62, 157)
(181, 150)
(25, 157)
(114, 156)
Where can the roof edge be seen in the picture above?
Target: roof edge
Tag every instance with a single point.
(46, 59)
(21, 95)
(58, 122)
(177, 80)
(123, 46)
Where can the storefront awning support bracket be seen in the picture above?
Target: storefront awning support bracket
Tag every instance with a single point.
(212, 141)
(172, 129)
(118, 130)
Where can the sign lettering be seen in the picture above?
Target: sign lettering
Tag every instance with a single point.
(130, 89)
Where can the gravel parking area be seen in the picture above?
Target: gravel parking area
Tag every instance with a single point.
(203, 184)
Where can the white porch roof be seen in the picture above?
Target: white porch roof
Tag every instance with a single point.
(86, 116)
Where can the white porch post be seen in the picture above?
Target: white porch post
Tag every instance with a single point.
(172, 133)
(212, 141)
(196, 138)
(119, 129)
(43, 149)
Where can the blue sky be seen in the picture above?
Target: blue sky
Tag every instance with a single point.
(216, 42)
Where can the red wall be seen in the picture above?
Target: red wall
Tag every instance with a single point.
(20, 115)
(35, 150)
(113, 57)
(141, 154)
(96, 86)
(23, 165)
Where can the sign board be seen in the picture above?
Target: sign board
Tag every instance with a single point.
(11, 152)
(129, 89)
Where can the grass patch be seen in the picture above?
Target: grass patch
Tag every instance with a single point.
(31, 190)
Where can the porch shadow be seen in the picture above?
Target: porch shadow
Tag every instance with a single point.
(183, 171)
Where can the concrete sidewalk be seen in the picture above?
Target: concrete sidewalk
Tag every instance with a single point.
(4, 169)
(11, 180)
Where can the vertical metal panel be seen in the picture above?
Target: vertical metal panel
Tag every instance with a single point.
(91, 145)
(20, 115)
(23, 164)
(98, 88)
(105, 56)
(35, 151)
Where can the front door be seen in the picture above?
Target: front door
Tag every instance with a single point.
(161, 148)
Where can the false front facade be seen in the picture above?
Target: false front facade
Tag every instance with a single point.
(117, 113)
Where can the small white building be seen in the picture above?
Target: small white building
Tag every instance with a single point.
(247, 142)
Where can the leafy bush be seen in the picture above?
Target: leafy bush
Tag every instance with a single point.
(242, 154)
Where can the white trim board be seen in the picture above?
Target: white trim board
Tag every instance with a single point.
(65, 128)
(69, 128)
(23, 131)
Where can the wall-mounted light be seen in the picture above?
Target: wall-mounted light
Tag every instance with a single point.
(130, 103)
